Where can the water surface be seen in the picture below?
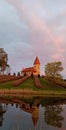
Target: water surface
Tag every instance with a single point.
(38, 113)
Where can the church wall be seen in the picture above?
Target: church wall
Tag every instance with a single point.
(37, 68)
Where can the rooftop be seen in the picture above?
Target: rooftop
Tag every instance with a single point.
(37, 61)
(30, 69)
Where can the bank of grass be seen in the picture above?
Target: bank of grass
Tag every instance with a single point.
(47, 87)
(28, 84)
(50, 86)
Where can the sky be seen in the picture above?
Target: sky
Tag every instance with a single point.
(30, 28)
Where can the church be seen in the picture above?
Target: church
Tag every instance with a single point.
(35, 70)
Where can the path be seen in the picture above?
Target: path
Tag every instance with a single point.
(20, 81)
(37, 82)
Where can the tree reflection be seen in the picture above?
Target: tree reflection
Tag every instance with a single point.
(2, 111)
(53, 115)
(1, 119)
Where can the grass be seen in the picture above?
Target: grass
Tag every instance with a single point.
(47, 87)
(28, 84)
(7, 85)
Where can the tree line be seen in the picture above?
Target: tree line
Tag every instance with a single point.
(52, 70)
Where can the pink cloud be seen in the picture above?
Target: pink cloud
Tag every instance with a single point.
(36, 24)
(57, 56)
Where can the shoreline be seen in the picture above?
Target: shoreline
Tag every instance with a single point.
(29, 92)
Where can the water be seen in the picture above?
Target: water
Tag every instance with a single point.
(38, 113)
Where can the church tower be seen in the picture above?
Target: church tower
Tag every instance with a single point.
(37, 66)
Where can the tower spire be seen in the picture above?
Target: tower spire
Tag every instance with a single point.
(36, 60)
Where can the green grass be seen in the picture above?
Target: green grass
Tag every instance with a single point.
(28, 84)
(7, 85)
(47, 86)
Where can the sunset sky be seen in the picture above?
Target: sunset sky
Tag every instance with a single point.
(30, 28)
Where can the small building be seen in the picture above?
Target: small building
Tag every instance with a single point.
(35, 70)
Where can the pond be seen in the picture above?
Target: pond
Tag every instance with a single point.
(33, 113)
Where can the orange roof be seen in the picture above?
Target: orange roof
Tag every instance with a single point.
(37, 61)
(30, 69)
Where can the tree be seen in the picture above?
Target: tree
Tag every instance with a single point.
(18, 74)
(52, 70)
(8, 70)
(3, 60)
(14, 74)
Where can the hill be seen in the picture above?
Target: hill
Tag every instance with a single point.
(29, 84)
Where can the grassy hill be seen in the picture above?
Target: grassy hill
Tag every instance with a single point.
(47, 87)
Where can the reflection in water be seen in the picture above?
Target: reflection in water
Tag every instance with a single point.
(2, 111)
(35, 115)
(24, 114)
(34, 110)
(53, 115)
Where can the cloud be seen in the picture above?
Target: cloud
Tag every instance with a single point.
(35, 23)
(32, 28)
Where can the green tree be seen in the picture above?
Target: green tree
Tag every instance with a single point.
(53, 69)
(3, 60)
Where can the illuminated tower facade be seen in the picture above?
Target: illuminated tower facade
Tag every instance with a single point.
(37, 66)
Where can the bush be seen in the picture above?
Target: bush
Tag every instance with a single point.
(18, 74)
(38, 75)
(14, 74)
